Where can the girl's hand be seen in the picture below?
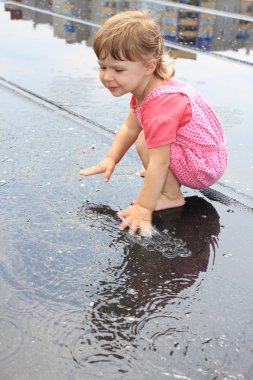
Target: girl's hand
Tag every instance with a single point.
(105, 166)
(136, 218)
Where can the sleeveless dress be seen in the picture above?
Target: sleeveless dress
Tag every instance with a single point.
(198, 151)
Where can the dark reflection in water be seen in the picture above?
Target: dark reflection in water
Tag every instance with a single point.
(210, 30)
(149, 293)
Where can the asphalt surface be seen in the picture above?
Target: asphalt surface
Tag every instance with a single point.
(54, 224)
(79, 298)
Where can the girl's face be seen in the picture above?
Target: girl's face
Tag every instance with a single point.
(122, 77)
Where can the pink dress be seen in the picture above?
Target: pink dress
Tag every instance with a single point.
(176, 114)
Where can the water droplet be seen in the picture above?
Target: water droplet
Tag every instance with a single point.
(132, 319)
(227, 255)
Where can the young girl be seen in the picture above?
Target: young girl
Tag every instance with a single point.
(178, 137)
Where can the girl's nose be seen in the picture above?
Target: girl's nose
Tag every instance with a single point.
(108, 75)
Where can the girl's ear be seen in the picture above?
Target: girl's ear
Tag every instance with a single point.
(151, 65)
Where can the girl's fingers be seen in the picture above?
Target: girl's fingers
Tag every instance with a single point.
(125, 222)
(98, 169)
(136, 222)
(92, 171)
(122, 214)
(108, 173)
(134, 228)
(123, 225)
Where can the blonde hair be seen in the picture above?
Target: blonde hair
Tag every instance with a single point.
(133, 36)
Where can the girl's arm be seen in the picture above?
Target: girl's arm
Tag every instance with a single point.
(126, 136)
(124, 139)
(139, 216)
(155, 177)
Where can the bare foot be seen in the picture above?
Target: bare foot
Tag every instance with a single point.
(164, 203)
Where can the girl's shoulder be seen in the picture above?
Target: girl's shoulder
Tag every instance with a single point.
(174, 82)
(169, 87)
(173, 85)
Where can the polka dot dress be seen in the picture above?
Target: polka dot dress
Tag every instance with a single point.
(198, 157)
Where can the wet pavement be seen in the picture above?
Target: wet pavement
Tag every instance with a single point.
(80, 299)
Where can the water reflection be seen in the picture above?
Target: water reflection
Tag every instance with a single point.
(184, 26)
(148, 294)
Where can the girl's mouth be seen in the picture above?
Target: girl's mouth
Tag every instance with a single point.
(112, 88)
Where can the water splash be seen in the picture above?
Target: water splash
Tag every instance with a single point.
(175, 232)
(163, 242)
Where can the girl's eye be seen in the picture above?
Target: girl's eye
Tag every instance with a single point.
(104, 68)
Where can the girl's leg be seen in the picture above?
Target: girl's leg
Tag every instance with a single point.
(171, 195)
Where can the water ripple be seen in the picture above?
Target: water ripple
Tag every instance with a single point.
(11, 338)
(107, 298)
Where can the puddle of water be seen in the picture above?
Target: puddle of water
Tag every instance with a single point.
(168, 242)
(110, 305)
(99, 295)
